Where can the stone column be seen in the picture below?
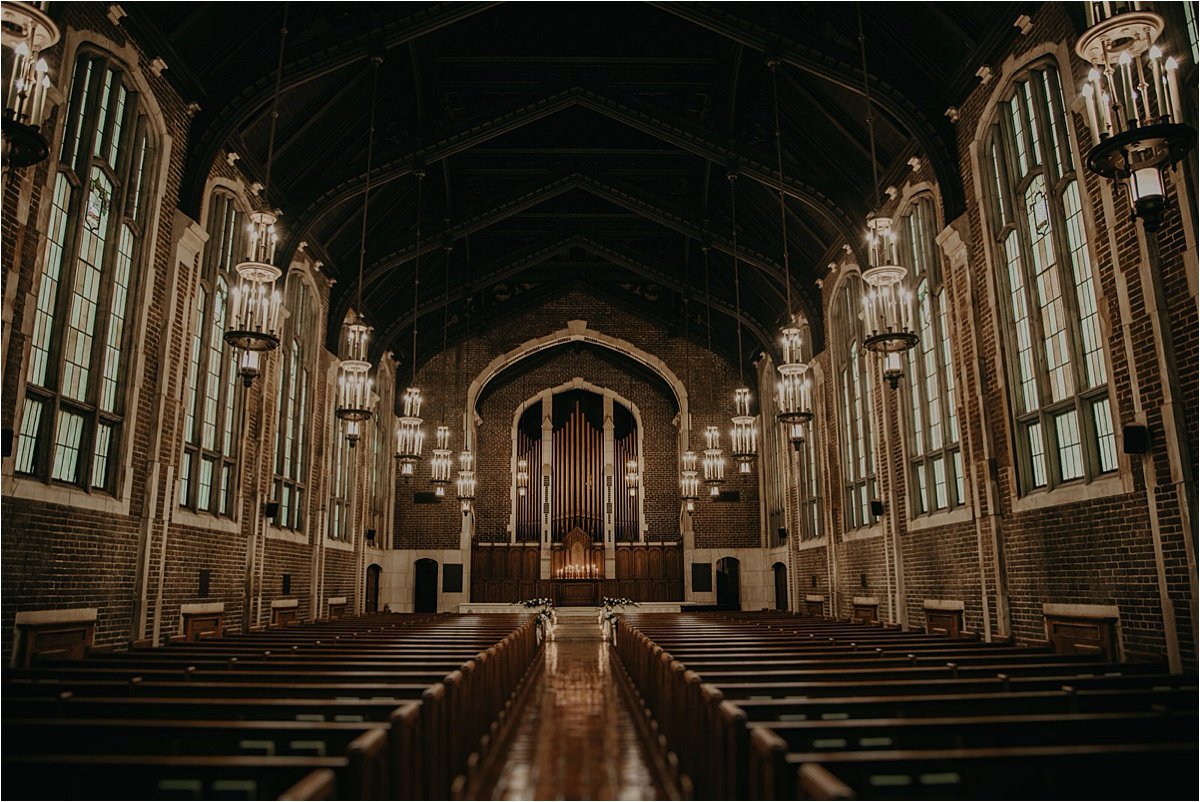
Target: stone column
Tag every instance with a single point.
(544, 490)
(610, 551)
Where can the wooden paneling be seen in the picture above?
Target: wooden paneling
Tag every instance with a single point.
(510, 572)
(1083, 635)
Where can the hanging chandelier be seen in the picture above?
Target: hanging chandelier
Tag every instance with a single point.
(255, 304)
(465, 483)
(356, 388)
(522, 477)
(1133, 103)
(26, 31)
(410, 438)
(887, 301)
(743, 439)
(440, 462)
(356, 397)
(794, 387)
(689, 477)
(689, 481)
(714, 461)
(631, 476)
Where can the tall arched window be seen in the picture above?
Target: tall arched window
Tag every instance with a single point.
(208, 474)
(339, 485)
(806, 480)
(935, 459)
(74, 406)
(1058, 382)
(295, 380)
(855, 393)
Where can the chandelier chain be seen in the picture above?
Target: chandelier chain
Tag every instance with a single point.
(787, 269)
(283, 32)
(362, 250)
(862, 51)
(737, 279)
(417, 275)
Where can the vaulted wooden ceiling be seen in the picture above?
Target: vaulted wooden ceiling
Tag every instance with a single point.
(573, 144)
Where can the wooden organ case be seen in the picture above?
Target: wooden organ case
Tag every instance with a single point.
(579, 497)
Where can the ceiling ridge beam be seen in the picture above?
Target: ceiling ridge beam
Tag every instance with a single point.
(632, 113)
(831, 68)
(238, 110)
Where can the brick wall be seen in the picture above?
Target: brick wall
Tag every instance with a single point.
(434, 526)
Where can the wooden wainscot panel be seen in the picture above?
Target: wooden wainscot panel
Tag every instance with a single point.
(814, 604)
(202, 620)
(944, 617)
(335, 607)
(866, 609)
(54, 635)
(1083, 629)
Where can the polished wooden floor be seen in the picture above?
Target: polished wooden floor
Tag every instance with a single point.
(576, 738)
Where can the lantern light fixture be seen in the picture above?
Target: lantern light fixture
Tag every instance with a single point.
(743, 438)
(689, 480)
(441, 462)
(410, 438)
(743, 444)
(356, 388)
(522, 477)
(887, 301)
(356, 396)
(1133, 104)
(631, 476)
(794, 386)
(26, 31)
(465, 484)
(256, 306)
(714, 460)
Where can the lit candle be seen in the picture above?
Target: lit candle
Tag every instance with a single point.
(1176, 109)
(1156, 70)
(1129, 108)
(1101, 102)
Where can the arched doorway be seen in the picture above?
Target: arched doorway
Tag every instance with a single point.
(728, 588)
(372, 600)
(425, 586)
(781, 588)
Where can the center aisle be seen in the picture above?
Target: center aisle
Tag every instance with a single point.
(576, 739)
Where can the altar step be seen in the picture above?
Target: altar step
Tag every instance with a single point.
(577, 623)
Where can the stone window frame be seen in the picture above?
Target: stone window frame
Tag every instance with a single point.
(927, 275)
(856, 453)
(143, 125)
(1053, 160)
(298, 354)
(220, 256)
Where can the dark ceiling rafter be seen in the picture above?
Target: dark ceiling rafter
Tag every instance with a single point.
(940, 152)
(656, 211)
(624, 257)
(232, 115)
(639, 116)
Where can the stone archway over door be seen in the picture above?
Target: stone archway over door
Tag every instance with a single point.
(425, 586)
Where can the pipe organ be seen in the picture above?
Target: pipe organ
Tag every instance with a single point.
(577, 465)
(528, 493)
(625, 450)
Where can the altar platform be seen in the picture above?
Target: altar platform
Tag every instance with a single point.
(644, 607)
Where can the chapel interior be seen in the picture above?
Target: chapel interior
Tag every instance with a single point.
(599, 400)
